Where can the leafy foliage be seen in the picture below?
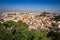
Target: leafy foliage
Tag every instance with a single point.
(20, 31)
(56, 18)
(5, 34)
(9, 23)
(54, 35)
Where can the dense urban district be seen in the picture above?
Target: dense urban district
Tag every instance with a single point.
(29, 26)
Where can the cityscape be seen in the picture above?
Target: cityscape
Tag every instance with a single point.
(29, 19)
(33, 19)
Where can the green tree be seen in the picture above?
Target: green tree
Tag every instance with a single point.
(54, 35)
(22, 24)
(5, 34)
(21, 34)
(10, 24)
(38, 35)
(56, 18)
(1, 26)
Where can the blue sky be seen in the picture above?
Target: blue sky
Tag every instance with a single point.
(36, 5)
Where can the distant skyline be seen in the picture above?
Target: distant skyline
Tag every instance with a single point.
(35, 5)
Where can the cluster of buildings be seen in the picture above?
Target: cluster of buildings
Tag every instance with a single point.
(33, 19)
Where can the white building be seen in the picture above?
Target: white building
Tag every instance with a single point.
(59, 24)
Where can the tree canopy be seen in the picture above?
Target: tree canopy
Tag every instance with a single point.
(20, 31)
